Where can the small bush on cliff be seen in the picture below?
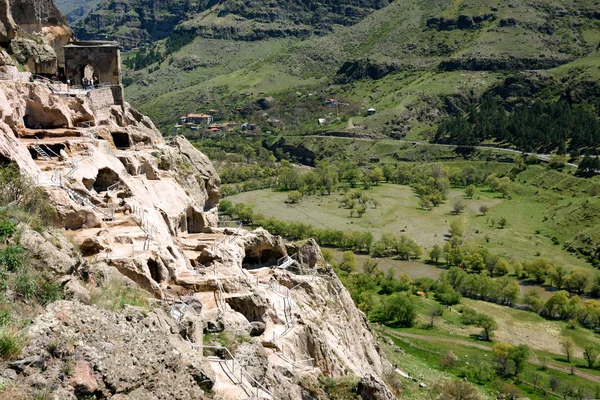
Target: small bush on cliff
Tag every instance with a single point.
(114, 295)
(11, 343)
(21, 198)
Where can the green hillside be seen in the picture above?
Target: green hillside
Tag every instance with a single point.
(135, 22)
(414, 61)
(75, 9)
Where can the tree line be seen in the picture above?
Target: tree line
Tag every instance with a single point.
(540, 126)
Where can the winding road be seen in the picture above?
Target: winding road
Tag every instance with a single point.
(535, 360)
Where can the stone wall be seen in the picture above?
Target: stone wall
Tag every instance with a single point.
(118, 93)
(100, 102)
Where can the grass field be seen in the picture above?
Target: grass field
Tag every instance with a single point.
(399, 212)
(422, 353)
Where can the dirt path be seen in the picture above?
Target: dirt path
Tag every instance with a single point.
(534, 360)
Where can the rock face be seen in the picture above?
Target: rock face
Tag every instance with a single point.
(112, 355)
(145, 210)
(150, 21)
(8, 26)
(35, 32)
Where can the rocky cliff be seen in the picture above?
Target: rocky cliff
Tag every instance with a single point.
(33, 32)
(136, 22)
(143, 211)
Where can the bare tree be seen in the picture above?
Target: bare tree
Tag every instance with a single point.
(568, 347)
(436, 311)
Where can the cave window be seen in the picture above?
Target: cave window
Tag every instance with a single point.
(106, 178)
(5, 161)
(154, 270)
(121, 140)
(263, 259)
(194, 221)
(53, 150)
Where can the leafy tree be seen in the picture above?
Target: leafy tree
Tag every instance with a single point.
(488, 324)
(470, 191)
(352, 175)
(590, 353)
(539, 268)
(519, 355)
(376, 175)
(568, 347)
(369, 265)
(578, 280)
(434, 312)
(395, 310)
(484, 209)
(294, 197)
(557, 276)
(458, 206)
(446, 295)
(348, 263)
(457, 390)
(361, 210)
(457, 228)
(502, 222)
(501, 267)
(435, 253)
(425, 203)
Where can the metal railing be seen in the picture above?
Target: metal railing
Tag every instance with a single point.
(83, 199)
(178, 307)
(145, 225)
(237, 373)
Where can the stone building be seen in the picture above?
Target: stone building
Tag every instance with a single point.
(101, 59)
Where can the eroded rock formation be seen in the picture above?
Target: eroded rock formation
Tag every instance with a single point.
(143, 210)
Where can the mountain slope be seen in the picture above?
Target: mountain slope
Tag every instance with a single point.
(404, 60)
(135, 22)
(75, 9)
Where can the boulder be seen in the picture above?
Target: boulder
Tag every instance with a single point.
(45, 253)
(83, 218)
(371, 388)
(309, 254)
(252, 357)
(40, 58)
(258, 328)
(193, 302)
(203, 375)
(75, 290)
(83, 381)
(91, 246)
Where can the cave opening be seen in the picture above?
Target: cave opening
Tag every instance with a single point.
(154, 270)
(194, 221)
(264, 258)
(106, 178)
(121, 140)
(4, 161)
(53, 150)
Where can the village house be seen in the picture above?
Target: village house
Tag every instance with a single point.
(192, 119)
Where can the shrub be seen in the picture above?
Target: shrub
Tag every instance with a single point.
(11, 343)
(13, 257)
(114, 295)
(457, 390)
(7, 229)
